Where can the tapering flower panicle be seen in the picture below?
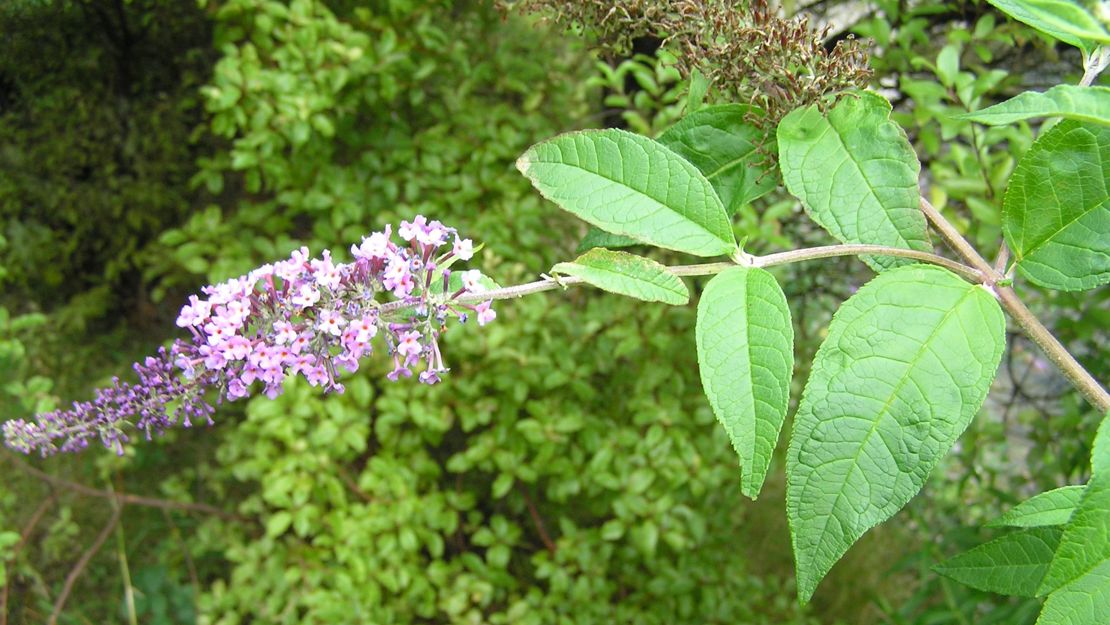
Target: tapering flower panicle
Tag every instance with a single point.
(304, 316)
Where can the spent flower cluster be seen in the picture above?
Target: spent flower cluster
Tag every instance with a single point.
(749, 51)
(305, 316)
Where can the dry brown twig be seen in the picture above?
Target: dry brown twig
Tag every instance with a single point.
(122, 498)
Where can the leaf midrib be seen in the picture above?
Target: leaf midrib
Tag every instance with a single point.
(633, 278)
(885, 410)
(729, 165)
(709, 196)
(1019, 253)
(1065, 225)
(1086, 571)
(870, 186)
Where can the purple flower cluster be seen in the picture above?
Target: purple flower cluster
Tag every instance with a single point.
(303, 316)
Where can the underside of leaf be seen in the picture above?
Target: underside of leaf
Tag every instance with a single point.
(906, 365)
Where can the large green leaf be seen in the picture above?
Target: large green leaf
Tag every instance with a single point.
(906, 365)
(1086, 601)
(1052, 507)
(1014, 564)
(1079, 576)
(627, 274)
(746, 356)
(1063, 19)
(1091, 104)
(627, 184)
(1056, 212)
(721, 142)
(856, 174)
(1086, 541)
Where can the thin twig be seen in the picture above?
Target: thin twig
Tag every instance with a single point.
(706, 269)
(36, 516)
(352, 485)
(79, 568)
(979, 159)
(123, 498)
(955, 240)
(1059, 355)
(537, 520)
(24, 535)
(830, 251)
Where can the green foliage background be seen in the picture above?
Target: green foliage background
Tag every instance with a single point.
(569, 470)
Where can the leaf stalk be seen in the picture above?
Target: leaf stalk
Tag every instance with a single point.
(707, 269)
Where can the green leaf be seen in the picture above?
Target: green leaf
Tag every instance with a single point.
(746, 357)
(1085, 545)
(631, 185)
(906, 365)
(1056, 212)
(502, 485)
(278, 523)
(613, 529)
(948, 64)
(722, 144)
(1100, 450)
(699, 87)
(1083, 602)
(645, 537)
(1063, 19)
(1090, 104)
(7, 539)
(596, 237)
(855, 173)
(627, 274)
(1012, 565)
(1053, 507)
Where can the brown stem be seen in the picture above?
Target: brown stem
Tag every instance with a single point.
(1002, 258)
(1094, 65)
(122, 498)
(349, 481)
(537, 520)
(831, 251)
(955, 240)
(1056, 353)
(79, 568)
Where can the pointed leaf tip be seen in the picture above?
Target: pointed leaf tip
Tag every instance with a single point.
(906, 365)
(1013, 564)
(745, 344)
